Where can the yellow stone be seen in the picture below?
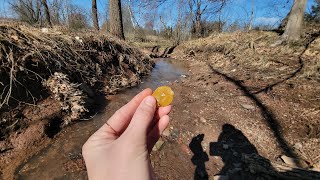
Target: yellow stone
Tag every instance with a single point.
(164, 96)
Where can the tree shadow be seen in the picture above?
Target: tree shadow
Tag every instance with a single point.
(267, 114)
(292, 75)
(241, 159)
(309, 40)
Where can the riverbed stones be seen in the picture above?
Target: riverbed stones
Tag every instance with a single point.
(158, 145)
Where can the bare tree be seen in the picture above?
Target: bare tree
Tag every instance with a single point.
(47, 12)
(27, 10)
(116, 25)
(127, 20)
(295, 21)
(95, 15)
(252, 15)
(166, 28)
(77, 18)
(198, 16)
(198, 8)
(132, 18)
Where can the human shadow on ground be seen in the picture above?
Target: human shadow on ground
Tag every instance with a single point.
(234, 147)
(241, 159)
(266, 113)
(199, 158)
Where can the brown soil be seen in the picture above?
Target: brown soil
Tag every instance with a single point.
(244, 101)
(242, 105)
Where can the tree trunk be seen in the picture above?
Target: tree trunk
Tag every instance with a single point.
(198, 28)
(38, 13)
(251, 16)
(116, 26)
(95, 15)
(131, 14)
(47, 12)
(295, 21)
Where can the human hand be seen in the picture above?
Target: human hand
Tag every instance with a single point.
(121, 148)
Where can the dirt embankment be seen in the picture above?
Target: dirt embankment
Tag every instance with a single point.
(49, 79)
(252, 101)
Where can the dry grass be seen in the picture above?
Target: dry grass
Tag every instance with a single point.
(312, 54)
(255, 51)
(149, 41)
(30, 56)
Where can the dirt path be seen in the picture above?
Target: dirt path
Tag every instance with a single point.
(220, 119)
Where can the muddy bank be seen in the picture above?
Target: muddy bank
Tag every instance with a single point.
(49, 79)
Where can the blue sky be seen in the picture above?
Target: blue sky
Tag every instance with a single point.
(266, 11)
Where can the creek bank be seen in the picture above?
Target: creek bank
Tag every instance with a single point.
(49, 79)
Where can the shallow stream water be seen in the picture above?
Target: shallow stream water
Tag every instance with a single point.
(60, 160)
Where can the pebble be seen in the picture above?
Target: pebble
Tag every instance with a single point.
(220, 177)
(291, 161)
(315, 169)
(288, 160)
(166, 133)
(158, 145)
(316, 166)
(248, 106)
(297, 146)
(203, 120)
(175, 133)
(45, 30)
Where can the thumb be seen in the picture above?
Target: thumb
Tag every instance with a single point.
(142, 118)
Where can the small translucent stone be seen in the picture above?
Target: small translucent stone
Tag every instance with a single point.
(164, 96)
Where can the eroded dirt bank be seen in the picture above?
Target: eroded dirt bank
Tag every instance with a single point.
(49, 79)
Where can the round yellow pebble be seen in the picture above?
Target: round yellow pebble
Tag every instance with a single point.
(164, 96)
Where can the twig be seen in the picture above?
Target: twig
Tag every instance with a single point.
(13, 124)
(35, 105)
(28, 92)
(7, 98)
(87, 119)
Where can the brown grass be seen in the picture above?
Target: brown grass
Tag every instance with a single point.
(30, 56)
(254, 50)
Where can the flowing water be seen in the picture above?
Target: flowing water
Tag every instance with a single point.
(62, 158)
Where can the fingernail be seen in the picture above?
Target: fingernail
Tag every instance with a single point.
(150, 101)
